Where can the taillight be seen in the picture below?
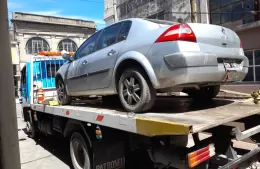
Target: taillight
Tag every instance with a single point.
(181, 32)
(201, 155)
(241, 44)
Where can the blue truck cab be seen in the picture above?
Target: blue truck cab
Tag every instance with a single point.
(41, 72)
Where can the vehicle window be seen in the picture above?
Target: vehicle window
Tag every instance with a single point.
(88, 46)
(109, 36)
(52, 69)
(124, 31)
(23, 76)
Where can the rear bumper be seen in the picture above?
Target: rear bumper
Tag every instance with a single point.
(199, 68)
(200, 59)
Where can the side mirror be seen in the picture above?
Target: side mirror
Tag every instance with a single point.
(67, 56)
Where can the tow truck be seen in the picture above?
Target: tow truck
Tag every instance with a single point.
(177, 133)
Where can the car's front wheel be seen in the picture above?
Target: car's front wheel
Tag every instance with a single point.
(63, 97)
(135, 90)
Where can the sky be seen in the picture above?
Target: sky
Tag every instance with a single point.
(79, 9)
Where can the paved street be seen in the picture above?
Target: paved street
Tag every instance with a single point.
(46, 153)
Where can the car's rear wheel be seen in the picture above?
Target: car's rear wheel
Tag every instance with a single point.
(205, 93)
(63, 97)
(79, 152)
(135, 90)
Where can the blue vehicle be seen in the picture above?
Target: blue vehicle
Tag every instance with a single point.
(39, 73)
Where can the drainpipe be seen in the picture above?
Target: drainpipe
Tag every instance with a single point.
(193, 11)
(115, 12)
(9, 146)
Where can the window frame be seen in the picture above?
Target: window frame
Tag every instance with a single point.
(35, 41)
(253, 65)
(71, 43)
(121, 24)
(124, 22)
(75, 57)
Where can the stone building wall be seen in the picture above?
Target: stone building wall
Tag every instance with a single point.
(172, 10)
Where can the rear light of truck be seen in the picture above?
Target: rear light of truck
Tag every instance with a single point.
(197, 157)
(181, 32)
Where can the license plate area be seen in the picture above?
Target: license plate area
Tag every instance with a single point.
(230, 65)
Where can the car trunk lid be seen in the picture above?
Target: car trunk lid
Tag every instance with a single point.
(216, 39)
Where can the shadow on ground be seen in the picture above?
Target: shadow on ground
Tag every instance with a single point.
(57, 146)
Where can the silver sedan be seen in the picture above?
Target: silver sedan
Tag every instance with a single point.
(137, 58)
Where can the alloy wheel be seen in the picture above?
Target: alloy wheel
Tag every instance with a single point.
(61, 91)
(131, 91)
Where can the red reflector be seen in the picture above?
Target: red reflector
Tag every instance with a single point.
(201, 155)
(99, 118)
(181, 32)
(241, 44)
(67, 112)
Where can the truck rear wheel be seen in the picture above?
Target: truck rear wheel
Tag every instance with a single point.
(79, 152)
(31, 131)
(136, 91)
(63, 97)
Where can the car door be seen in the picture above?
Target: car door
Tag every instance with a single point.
(80, 80)
(72, 80)
(103, 60)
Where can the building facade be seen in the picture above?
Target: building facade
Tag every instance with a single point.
(31, 33)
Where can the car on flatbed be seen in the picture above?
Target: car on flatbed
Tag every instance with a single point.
(137, 58)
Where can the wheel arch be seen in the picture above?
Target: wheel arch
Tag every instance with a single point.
(134, 58)
(73, 126)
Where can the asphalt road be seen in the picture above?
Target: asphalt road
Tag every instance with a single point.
(45, 153)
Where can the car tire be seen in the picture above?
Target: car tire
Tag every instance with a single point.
(134, 86)
(205, 93)
(79, 152)
(63, 97)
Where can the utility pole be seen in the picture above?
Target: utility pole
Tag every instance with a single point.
(115, 12)
(9, 146)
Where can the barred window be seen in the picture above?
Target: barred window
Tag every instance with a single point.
(67, 45)
(36, 44)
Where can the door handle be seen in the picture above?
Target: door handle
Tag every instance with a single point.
(111, 52)
(84, 62)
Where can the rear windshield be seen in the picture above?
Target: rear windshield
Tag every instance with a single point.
(161, 21)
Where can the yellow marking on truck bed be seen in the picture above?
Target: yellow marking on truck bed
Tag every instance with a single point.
(149, 127)
(237, 93)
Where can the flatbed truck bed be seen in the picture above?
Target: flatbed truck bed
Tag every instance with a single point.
(170, 116)
(171, 124)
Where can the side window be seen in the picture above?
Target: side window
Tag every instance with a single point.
(23, 76)
(124, 31)
(88, 47)
(109, 36)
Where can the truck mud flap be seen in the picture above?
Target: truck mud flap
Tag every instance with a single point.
(244, 161)
(108, 155)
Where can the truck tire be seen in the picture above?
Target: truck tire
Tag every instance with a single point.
(79, 152)
(63, 97)
(31, 131)
(135, 90)
(205, 93)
